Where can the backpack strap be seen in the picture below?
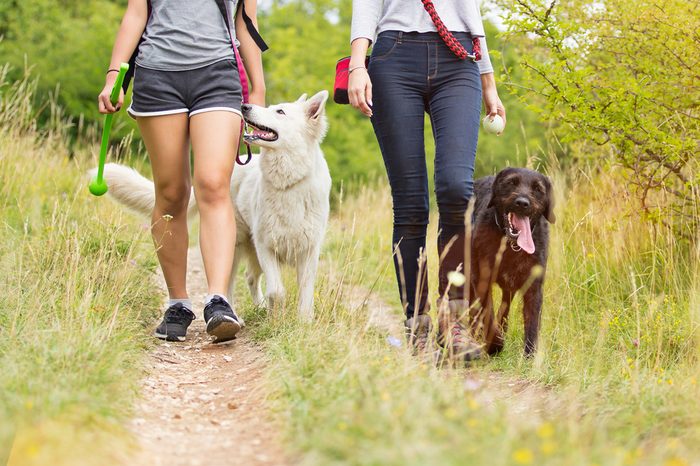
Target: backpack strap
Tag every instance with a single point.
(259, 41)
(257, 38)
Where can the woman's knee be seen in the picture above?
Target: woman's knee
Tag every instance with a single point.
(212, 189)
(173, 197)
(453, 198)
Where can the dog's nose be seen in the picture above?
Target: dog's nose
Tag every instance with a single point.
(522, 202)
(245, 108)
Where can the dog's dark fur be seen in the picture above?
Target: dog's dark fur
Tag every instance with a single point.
(495, 261)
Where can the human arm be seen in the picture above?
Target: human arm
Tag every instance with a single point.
(365, 17)
(251, 53)
(130, 31)
(492, 103)
(359, 84)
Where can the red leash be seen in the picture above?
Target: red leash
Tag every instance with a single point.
(244, 85)
(448, 38)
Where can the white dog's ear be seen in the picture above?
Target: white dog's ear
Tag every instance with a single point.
(302, 98)
(316, 104)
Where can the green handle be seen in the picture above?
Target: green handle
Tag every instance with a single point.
(98, 187)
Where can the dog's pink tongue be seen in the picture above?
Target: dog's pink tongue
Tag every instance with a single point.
(522, 224)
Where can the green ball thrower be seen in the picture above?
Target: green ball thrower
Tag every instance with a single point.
(98, 186)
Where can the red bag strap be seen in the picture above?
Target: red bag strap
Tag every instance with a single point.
(448, 38)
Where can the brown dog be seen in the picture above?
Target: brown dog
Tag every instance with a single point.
(509, 247)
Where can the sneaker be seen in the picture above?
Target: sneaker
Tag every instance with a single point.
(222, 322)
(175, 322)
(417, 332)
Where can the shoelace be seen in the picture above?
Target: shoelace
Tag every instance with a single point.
(448, 38)
(178, 312)
(214, 301)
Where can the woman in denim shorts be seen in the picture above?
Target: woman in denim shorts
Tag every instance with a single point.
(412, 71)
(187, 92)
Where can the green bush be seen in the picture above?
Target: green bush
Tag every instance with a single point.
(622, 76)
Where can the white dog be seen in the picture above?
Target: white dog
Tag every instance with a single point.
(281, 198)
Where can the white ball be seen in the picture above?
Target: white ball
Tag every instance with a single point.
(494, 127)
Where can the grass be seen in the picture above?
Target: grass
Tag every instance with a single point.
(74, 295)
(615, 381)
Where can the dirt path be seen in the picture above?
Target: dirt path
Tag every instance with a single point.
(524, 401)
(203, 404)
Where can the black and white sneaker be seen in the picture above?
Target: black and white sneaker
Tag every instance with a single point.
(175, 322)
(222, 322)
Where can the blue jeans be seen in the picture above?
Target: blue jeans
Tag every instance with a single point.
(413, 73)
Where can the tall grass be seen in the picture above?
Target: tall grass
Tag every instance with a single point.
(73, 297)
(615, 380)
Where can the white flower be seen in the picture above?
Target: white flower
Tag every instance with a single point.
(456, 278)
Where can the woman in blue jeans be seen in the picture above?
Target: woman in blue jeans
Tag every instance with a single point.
(412, 71)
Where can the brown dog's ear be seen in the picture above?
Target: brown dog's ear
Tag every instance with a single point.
(549, 206)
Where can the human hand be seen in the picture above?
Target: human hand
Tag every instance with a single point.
(104, 104)
(257, 97)
(492, 102)
(360, 90)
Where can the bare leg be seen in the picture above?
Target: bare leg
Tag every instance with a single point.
(167, 141)
(215, 137)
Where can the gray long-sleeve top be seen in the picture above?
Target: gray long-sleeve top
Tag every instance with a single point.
(370, 17)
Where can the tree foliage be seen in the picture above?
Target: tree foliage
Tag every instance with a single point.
(66, 46)
(622, 74)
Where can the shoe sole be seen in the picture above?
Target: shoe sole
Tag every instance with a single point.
(166, 337)
(223, 328)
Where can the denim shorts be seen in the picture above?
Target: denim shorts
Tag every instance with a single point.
(210, 88)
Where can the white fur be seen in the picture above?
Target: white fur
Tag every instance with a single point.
(281, 200)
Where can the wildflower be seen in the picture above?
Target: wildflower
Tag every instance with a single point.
(523, 456)
(456, 278)
(393, 341)
(545, 430)
(676, 461)
(385, 396)
(547, 448)
(450, 413)
(342, 426)
(673, 444)
(471, 402)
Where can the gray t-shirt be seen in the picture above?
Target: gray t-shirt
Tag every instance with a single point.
(185, 35)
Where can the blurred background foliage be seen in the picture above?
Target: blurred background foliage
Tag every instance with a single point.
(66, 46)
(610, 85)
